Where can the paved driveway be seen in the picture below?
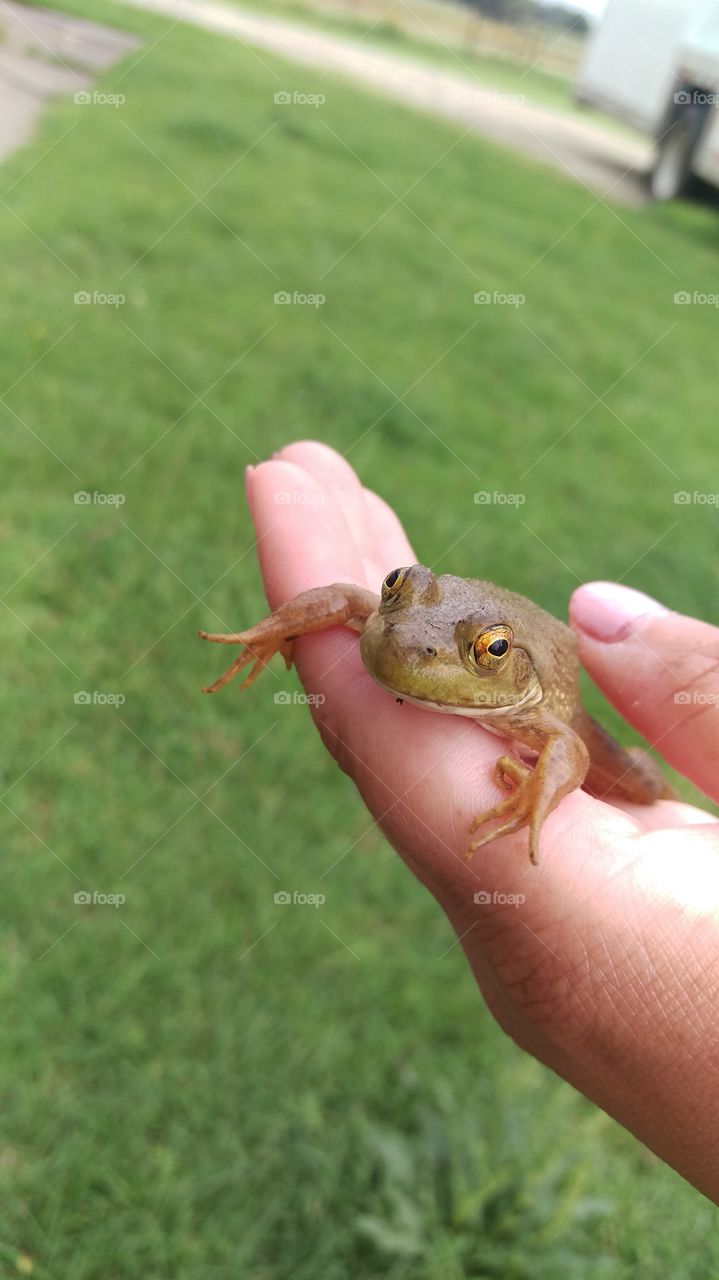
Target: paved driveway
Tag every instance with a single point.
(42, 54)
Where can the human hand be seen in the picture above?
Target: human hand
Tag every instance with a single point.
(607, 971)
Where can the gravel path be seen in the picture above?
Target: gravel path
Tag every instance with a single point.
(600, 158)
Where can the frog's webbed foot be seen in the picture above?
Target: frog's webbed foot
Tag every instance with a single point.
(560, 768)
(338, 605)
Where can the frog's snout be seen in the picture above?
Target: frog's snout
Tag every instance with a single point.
(402, 650)
(392, 651)
(402, 643)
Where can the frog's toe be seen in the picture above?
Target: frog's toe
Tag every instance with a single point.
(240, 661)
(512, 772)
(286, 649)
(515, 823)
(260, 656)
(497, 811)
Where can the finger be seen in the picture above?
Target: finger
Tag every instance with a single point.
(303, 539)
(659, 669)
(390, 547)
(665, 813)
(338, 479)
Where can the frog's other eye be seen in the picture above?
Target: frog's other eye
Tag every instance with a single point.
(491, 649)
(393, 582)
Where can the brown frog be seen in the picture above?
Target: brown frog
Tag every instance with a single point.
(468, 648)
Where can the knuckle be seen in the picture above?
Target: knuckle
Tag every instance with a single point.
(694, 676)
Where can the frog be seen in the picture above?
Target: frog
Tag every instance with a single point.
(465, 647)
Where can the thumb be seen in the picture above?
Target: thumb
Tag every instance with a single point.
(659, 669)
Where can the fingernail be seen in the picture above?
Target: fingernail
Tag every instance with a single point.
(609, 612)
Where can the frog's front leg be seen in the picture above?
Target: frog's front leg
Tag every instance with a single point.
(340, 605)
(560, 768)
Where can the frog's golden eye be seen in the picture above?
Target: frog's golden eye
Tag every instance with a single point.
(393, 582)
(492, 647)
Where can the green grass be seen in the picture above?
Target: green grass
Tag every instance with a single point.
(200, 1083)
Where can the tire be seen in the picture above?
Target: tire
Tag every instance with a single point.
(672, 174)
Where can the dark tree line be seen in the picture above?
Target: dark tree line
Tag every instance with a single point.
(516, 11)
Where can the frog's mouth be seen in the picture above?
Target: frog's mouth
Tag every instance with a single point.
(488, 711)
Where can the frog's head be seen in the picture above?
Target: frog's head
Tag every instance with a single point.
(437, 640)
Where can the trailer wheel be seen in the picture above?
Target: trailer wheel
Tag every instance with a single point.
(672, 173)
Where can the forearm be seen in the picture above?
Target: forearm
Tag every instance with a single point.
(623, 1001)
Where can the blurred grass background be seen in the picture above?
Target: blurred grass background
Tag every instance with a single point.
(201, 1082)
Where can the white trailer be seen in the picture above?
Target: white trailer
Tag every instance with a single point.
(655, 64)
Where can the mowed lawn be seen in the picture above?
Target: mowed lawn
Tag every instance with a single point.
(199, 1082)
